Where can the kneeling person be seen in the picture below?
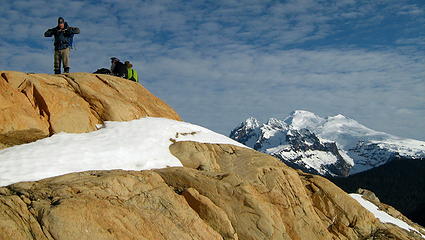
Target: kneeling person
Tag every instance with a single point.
(118, 68)
(131, 73)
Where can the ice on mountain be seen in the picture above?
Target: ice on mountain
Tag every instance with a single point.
(360, 147)
(252, 123)
(303, 119)
(296, 147)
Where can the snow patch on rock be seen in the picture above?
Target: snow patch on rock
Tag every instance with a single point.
(383, 216)
(134, 145)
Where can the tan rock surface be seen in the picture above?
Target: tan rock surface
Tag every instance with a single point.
(265, 199)
(19, 121)
(210, 213)
(100, 205)
(237, 194)
(34, 106)
(222, 192)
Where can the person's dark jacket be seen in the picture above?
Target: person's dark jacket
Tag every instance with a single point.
(63, 38)
(119, 69)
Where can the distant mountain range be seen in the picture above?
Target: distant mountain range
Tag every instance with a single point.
(332, 146)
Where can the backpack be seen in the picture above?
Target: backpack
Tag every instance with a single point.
(71, 40)
(103, 71)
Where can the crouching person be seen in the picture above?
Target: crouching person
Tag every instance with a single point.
(118, 68)
(131, 73)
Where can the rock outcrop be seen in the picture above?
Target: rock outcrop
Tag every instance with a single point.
(265, 199)
(34, 106)
(99, 205)
(223, 192)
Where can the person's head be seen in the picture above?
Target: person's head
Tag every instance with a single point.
(61, 23)
(128, 64)
(114, 60)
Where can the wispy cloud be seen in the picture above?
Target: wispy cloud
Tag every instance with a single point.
(368, 86)
(412, 9)
(219, 62)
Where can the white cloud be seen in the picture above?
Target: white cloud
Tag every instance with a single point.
(412, 41)
(218, 63)
(368, 86)
(411, 10)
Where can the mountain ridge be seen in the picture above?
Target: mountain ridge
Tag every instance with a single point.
(358, 148)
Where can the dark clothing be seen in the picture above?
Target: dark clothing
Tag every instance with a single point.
(103, 71)
(63, 37)
(119, 69)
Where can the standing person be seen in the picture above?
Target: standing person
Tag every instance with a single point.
(63, 41)
(118, 68)
(131, 73)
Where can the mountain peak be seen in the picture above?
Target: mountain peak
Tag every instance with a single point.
(340, 116)
(299, 119)
(251, 123)
(274, 122)
(337, 137)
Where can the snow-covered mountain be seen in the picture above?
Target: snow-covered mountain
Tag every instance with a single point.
(335, 146)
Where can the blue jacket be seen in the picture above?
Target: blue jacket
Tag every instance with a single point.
(63, 38)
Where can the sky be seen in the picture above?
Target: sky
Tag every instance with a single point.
(219, 62)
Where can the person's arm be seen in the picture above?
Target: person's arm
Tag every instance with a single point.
(135, 75)
(74, 30)
(113, 65)
(49, 32)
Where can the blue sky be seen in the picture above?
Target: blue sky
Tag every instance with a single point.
(219, 62)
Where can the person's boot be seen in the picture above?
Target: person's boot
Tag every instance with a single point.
(57, 71)
(66, 70)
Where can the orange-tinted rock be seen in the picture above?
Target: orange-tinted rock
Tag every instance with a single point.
(34, 106)
(240, 194)
(20, 122)
(100, 205)
(265, 199)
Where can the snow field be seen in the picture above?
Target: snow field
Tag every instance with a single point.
(134, 145)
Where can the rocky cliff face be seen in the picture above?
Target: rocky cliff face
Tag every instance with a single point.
(35, 106)
(223, 192)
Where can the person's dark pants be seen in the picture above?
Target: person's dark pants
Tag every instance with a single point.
(61, 56)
